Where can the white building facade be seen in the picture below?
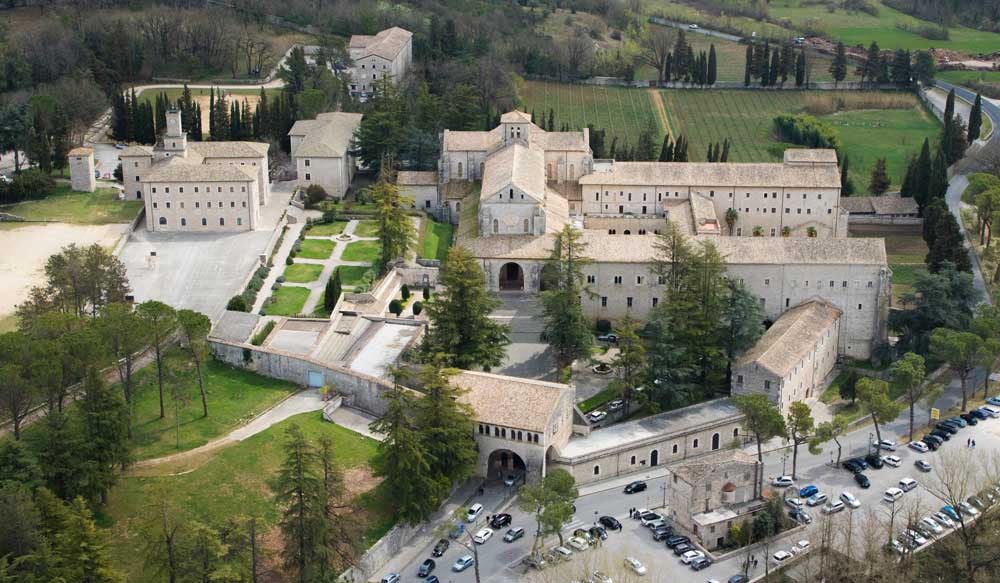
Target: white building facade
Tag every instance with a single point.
(321, 150)
(387, 54)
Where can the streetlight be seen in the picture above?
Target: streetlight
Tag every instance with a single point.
(663, 488)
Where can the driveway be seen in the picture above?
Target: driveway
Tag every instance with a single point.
(528, 356)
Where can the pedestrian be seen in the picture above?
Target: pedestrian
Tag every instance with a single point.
(968, 442)
(755, 562)
(630, 513)
(973, 444)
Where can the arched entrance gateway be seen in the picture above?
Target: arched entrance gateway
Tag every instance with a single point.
(503, 463)
(511, 277)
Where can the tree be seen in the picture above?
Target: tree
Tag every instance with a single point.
(838, 66)
(395, 308)
(880, 179)
(748, 66)
(402, 459)
(922, 176)
(801, 68)
(446, 427)
(237, 303)
(126, 335)
(924, 67)
(762, 419)
(566, 326)
(874, 395)
(631, 359)
(105, 435)
(461, 327)
(194, 327)
(948, 246)
(82, 548)
(395, 228)
(161, 321)
(954, 139)
(949, 107)
(551, 503)
(939, 300)
(300, 494)
(294, 71)
(732, 215)
(712, 65)
(963, 352)
(17, 393)
(987, 207)
(162, 533)
(826, 431)
(976, 119)
(742, 323)
(846, 184)
(907, 374)
(800, 425)
(17, 464)
(333, 291)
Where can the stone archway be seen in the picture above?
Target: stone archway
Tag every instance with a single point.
(503, 463)
(511, 277)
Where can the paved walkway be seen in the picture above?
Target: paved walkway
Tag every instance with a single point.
(291, 235)
(317, 286)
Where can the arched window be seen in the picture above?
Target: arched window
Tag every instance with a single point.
(460, 170)
(525, 225)
(511, 194)
(674, 449)
(631, 460)
(458, 207)
(597, 470)
(715, 442)
(654, 457)
(736, 432)
(694, 444)
(163, 220)
(496, 226)
(519, 436)
(482, 168)
(626, 232)
(536, 438)
(572, 171)
(503, 433)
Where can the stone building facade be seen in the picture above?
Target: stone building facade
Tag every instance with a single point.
(386, 54)
(321, 150)
(81, 170)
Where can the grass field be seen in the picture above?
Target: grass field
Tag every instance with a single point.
(81, 208)
(366, 251)
(906, 250)
(435, 239)
(366, 229)
(288, 301)
(326, 229)
(233, 485)
(965, 76)
(624, 113)
(855, 27)
(234, 396)
(174, 94)
(302, 272)
(351, 274)
(746, 118)
(316, 249)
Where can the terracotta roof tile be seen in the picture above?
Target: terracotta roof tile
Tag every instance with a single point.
(510, 401)
(791, 337)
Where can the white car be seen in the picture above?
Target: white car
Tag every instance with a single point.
(919, 446)
(635, 565)
(968, 509)
(892, 460)
(482, 536)
(907, 484)
(929, 525)
(474, 511)
(596, 416)
(850, 499)
(690, 556)
(943, 519)
(693, 26)
(834, 507)
(816, 499)
(887, 445)
(566, 553)
(577, 543)
(782, 556)
(599, 577)
(782, 482)
(649, 518)
(463, 563)
(794, 503)
(892, 494)
(915, 537)
(801, 547)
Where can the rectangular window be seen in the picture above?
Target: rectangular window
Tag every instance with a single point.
(618, 280)
(154, 205)
(638, 280)
(604, 301)
(739, 378)
(209, 204)
(308, 176)
(307, 163)
(767, 385)
(628, 302)
(168, 204)
(244, 204)
(591, 279)
(656, 302)
(182, 189)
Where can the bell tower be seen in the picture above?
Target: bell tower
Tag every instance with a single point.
(174, 137)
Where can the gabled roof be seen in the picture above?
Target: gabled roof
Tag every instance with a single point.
(229, 149)
(327, 136)
(695, 471)
(791, 337)
(416, 178)
(81, 151)
(515, 117)
(810, 156)
(522, 166)
(180, 170)
(707, 174)
(145, 151)
(894, 205)
(474, 141)
(510, 401)
(386, 44)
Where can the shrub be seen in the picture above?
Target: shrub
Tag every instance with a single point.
(427, 293)
(806, 130)
(275, 286)
(314, 194)
(395, 307)
(237, 304)
(280, 279)
(417, 308)
(29, 184)
(604, 326)
(405, 292)
(289, 260)
(261, 336)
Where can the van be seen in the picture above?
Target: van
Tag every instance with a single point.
(907, 484)
(892, 494)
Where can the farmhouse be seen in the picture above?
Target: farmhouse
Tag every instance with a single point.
(197, 186)
(387, 54)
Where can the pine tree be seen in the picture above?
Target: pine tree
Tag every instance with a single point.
(938, 185)
(775, 70)
(446, 427)
(949, 107)
(646, 147)
(838, 67)
(395, 229)
(880, 182)
(764, 71)
(907, 188)
(948, 246)
(566, 325)
(82, 549)
(976, 119)
(552, 120)
(954, 140)
(333, 290)
(105, 435)
(211, 115)
(712, 65)
(787, 62)
(922, 176)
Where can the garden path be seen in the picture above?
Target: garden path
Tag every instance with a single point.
(317, 286)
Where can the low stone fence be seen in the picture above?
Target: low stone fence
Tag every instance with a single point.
(877, 220)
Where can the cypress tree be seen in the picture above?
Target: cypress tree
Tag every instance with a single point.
(949, 107)
(800, 69)
(211, 114)
(938, 185)
(666, 149)
(747, 67)
(907, 187)
(552, 120)
(765, 65)
(880, 182)
(846, 186)
(712, 65)
(922, 176)
(725, 151)
(976, 119)
(936, 210)
(775, 67)
(838, 67)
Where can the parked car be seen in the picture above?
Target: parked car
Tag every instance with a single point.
(794, 503)
(892, 494)
(874, 461)
(425, 568)
(816, 499)
(897, 546)
(683, 548)
(800, 516)
(577, 543)
(474, 511)
(892, 460)
(635, 487)
(919, 446)
(930, 526)
(616, 405)
(598, 577)
(391, 578)
(862, 480)
(701, 563)
(917, 538)
(663, 533)
(610, 522)
(457, 531)
(951, 513)
(500, 520)
(432, 579)
(635, 565)
(677, 539)
(850, 499)
(782, 482)
(562, 552)
(649, 518)
(441, 547)
(887, 445)
(943, 519)
(977, 502)
(991, 410)
(933, 442)
(834, 507)
(782, 556)
(852, 466)
(463, 563)
(482, 536)
(957, 421)
(657, 525)
(907, 484)
(598, 532)
(584, 535)
(995, 401)
(808, 491)
(949, 426)
(979, 414)
(970, 419)
(513, 534)
(612, 338)
(596, 416)
(940, 434)
(738, 578)
(800, 547)
(968, 509)
(693, 26)
(922, 465)
(689, 556)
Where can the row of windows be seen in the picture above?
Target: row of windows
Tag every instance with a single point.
(711, 194)
(136, 164)
(208, 189)
(795, 283)
(654, 455)
(629, 232)
(197, 204)
(515, 434)
(204, 221)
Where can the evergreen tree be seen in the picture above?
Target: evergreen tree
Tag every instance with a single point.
(976, 119)
(395, 229)
(938, 185)
(846, 184)
(82, 548)
(105, 435)
(764, 70)
(552, 120)
(461, 327)
(948, 247)
(748, 66)
(923, 67)
(800, 69)
(161, 321)
(58, 451)
(934, 214)
(880, 182)
(333, 291)
(630, 363)
(646, 147)
(742, 323)
(949, 107)
(787, 62)
(922, 176)
(566, 325)
(869, 69)
(775, 70)
(712, 65)
(446, 427)
(901, 71)
(838, 67)
(725, 151)
(597, 141)
(907, 188)
(667, 149)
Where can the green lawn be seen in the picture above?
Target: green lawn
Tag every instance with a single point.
(351, 274)
(436, 239)
(288, 301)
(81, 208)
(366, 251)
(366, 229)
(746, 118)
(302, 272)
(599, 399)
(174, 94)
(232, 485)
(326, 229)
(316, 249)
(624, 113)
(956, 76)
(855, 27)
(234, 396)
(832, 393)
